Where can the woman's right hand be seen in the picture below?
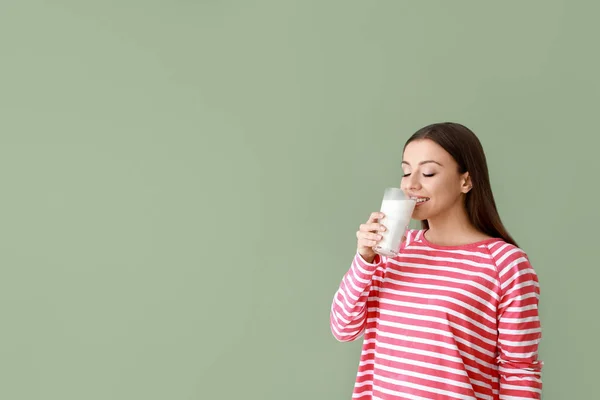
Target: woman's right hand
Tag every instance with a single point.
(368, 235)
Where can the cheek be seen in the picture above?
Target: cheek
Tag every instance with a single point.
(443, 193)
(443, 186)
(436, 188)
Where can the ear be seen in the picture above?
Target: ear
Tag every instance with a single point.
(466, 183)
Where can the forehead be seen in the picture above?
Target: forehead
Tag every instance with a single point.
(426, 149)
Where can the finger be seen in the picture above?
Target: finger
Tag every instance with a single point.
(375, 216)
(366, 243)
(370, 236)
(372, 227)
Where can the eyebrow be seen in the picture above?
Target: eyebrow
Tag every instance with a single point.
(424, 162)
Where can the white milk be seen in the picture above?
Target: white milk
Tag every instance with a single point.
(397, 217)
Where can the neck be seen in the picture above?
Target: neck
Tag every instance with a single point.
(453, 228)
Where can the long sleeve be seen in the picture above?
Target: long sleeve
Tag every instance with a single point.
(349, 307)
(519, 328)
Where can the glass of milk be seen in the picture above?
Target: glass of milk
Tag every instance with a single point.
(397, 208)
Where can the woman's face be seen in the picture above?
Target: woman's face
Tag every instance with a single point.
(431, 176)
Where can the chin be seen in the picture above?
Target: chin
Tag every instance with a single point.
(418, 214)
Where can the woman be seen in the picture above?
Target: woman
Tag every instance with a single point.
(455, 314)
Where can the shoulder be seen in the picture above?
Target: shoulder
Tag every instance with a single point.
(504, 254)
(510, 261)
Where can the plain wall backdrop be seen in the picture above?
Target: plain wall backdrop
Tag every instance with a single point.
(181, 181)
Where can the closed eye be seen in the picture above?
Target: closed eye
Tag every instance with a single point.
(425, 175)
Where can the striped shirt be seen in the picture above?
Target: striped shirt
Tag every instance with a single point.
(443, 322)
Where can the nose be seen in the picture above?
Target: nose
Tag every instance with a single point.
(411, 183)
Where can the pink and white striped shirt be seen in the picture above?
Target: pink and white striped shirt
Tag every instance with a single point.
(443, 322)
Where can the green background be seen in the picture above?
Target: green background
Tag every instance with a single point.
(182, 181)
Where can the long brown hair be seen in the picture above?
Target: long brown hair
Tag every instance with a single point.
(464, 146)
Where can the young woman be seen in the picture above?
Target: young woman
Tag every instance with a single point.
(455, 314)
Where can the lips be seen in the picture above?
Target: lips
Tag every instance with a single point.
(420, 200)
